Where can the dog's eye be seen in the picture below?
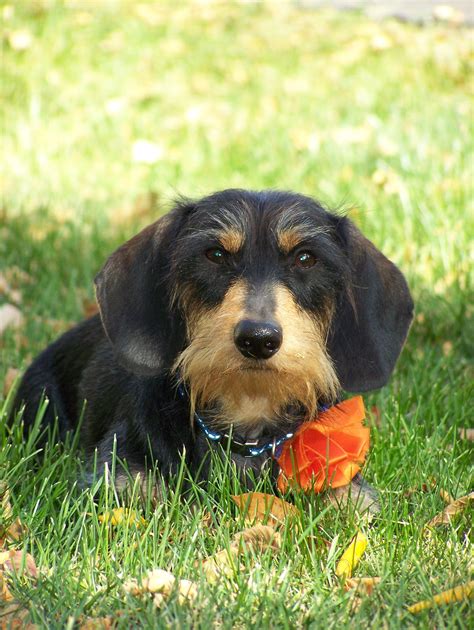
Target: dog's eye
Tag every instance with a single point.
(216, 255)
(305, 260)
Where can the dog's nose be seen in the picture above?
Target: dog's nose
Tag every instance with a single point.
(257, 340)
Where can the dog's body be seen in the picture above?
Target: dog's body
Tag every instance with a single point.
(263, 305)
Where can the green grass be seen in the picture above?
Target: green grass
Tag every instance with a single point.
(372, 117)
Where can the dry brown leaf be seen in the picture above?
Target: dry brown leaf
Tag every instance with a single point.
(10, 317)
(10, 528)
(161, 584)
(375, 416)
(447, 498)
(225, 562)
(14, 614)
(89, 308)
(466, 434)
(362, 584)
(444, 517)
(5, 595)
(18, 562)
(14, 617)
(10, 377)
(11, 294)
(97, 623)
(259, 537)
(264, 508)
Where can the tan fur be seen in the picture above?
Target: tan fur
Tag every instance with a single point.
(289, 239)
(231, 240)
(248, 393)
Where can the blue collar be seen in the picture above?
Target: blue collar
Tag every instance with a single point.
(237, 444)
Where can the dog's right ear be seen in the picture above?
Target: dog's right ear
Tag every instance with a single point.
(133, 293)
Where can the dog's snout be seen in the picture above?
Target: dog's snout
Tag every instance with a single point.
(257, 340)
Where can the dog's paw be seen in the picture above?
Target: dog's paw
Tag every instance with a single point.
(361, 494)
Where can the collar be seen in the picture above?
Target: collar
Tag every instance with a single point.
(236, 443)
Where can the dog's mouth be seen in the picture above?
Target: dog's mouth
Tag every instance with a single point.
(256, 368)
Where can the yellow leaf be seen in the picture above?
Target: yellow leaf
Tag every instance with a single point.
(351, 556)
(264, 508)
(444, 517)
(457, 594)
(122, 516)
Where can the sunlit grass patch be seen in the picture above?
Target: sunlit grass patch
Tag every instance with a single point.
(110, 110)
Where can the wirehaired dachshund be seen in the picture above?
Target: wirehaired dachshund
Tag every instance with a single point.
(223, 326)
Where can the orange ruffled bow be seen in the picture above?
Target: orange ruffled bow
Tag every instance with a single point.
(326, 452)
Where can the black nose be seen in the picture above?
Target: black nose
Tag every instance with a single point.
(257, 340)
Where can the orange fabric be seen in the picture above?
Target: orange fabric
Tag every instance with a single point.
(326, 452)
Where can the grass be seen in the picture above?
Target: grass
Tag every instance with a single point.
(375, 117)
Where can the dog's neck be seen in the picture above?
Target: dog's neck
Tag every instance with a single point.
(253, 418)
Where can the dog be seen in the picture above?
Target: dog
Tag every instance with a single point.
(223, 326)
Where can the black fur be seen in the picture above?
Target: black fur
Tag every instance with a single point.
(120, 363)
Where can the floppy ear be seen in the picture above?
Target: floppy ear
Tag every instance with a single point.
(372, 318)
(133, 294)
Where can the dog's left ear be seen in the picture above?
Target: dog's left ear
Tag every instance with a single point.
(133, 293)
(372, 317)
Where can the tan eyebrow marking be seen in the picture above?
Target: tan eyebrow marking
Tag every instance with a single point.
(231, 240)
(288, 239)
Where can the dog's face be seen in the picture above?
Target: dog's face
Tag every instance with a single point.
(263, 303)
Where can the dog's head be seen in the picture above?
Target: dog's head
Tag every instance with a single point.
(261, 301)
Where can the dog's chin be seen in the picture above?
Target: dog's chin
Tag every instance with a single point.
(256, 368)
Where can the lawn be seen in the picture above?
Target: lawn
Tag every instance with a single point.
(111, 109)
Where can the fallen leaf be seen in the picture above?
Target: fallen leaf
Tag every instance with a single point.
(456, 594)
(10, 317)
(14, 617)
(447, 498)
(444, 517)
(187, 591)
(225, 562)
(18, 562)
(362, 584)
(351, 556)
(374, 416)
(89, 308)
(10, 528)
(122, 516)
(97, 623)
(146, 152)
(447, 13)
(466, 434)
(380, 42)
(161, 584)
(10, 377)
(20, 39)
(264, 508)
(159, 581)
